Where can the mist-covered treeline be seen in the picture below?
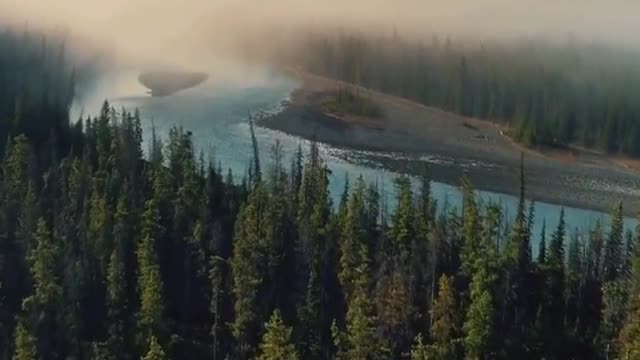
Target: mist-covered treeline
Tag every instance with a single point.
(107, 255)
(548, 93)
(37, 84)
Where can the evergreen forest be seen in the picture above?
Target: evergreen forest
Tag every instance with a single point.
(551, 94)
(112, 251)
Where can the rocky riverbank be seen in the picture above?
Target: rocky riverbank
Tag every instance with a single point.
(452, 145)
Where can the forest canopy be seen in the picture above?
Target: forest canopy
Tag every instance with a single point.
(109, 254)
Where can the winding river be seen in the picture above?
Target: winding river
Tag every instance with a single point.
(216, 112)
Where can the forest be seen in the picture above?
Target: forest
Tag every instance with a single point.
(111, 252)
(551, 94)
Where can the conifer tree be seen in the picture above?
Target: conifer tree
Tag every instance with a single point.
(628, 342)
(41, 308)
(478, 325)
(613, 260)
(402, 222)
(470, 229)
(443, 321)
(150, 284)
(117, 303)
(352, 239)
(154, 351)
(554, 309)
(420, 351)
(615, 308)
(361, 341)
(276, 341)
(215, 305)
(252, 240)
(310, 316)
(542, 245)
(25, 344)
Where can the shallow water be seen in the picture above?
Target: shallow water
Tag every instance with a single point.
(217, 112)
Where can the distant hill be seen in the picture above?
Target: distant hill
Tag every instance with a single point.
(164, 83)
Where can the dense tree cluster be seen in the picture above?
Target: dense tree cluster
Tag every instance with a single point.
(548, 94)
(108, 255)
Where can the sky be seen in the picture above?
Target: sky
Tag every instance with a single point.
(139, 28)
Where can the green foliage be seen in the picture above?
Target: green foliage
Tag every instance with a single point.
(612, 260)
(252, 239)
(443, 318)
(25, 344)
(478, 325)
(104, 254)
(548, 93)
(276, 342)
(150, 283)
(347, 101)
(419, 350)
(154, 351)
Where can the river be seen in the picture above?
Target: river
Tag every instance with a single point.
(217, 112)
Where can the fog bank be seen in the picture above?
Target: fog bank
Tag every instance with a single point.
(195, 31)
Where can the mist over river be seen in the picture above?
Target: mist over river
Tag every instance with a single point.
(217, 111)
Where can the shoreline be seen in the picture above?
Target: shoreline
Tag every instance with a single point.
(452, 146)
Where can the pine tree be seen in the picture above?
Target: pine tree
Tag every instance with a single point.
(402, 222)
(154, 351)
(310, 316)
(612, 260)
(542, 246)
(478, 325)
(215, 305)
(276, 341)
(41, 308)
(150, 284)
(443, 321)
(419, 350)
(554, 309)
(628, 341)
(470, 229)
(352, 239)
(361, 342)
(423, 255)
(117, 303)
(252, 241)
(615, 308)
(25, 344)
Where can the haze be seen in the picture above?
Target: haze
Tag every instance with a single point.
(183, 29)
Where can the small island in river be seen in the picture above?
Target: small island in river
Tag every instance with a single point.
(164, 83)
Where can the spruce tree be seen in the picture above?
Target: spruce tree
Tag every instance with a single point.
(613, 260)
(554, 304)
(154, 350)
(443, 318)
(478, 325)
(361, 341)
(420, 351)
(41, 309)
(117, 304)
(470, 229)
(252, 240)
(150, 284)
(351, 240)
(216, 303)
(276, 341)
(25, 346)
(542, 245)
